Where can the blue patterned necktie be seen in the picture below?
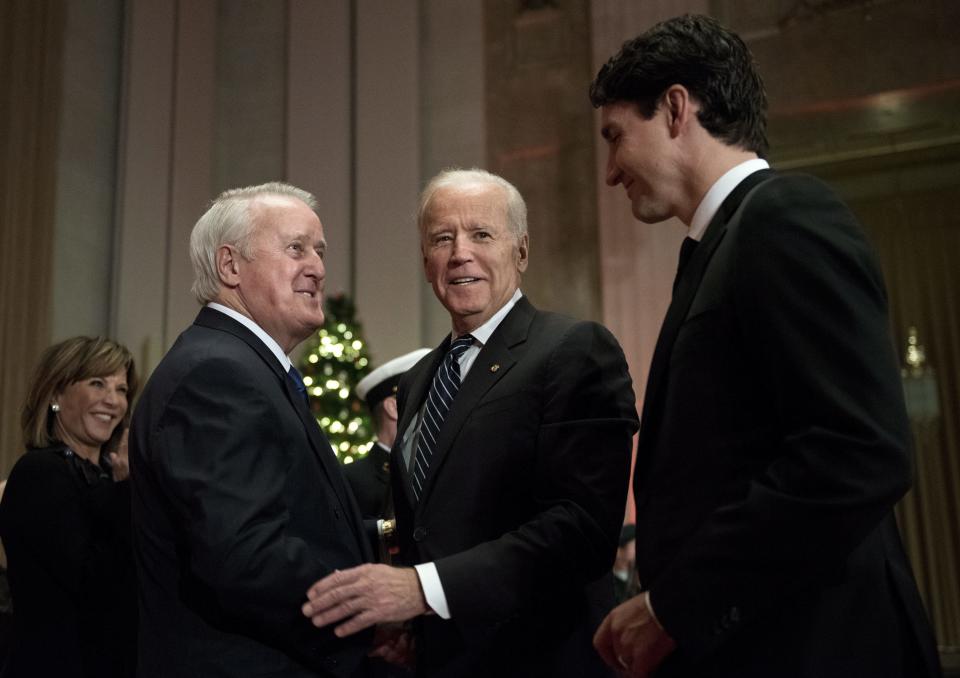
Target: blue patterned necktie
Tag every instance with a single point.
(446, 383)
(298, 384)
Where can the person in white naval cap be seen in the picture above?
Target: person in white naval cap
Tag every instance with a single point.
(369, 476)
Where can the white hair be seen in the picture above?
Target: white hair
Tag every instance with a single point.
(230, 221)
(463, 178)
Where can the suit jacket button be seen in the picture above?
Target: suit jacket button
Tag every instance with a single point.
(336, 513)
(419, 533)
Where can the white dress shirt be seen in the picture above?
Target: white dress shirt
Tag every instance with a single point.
(721, 188)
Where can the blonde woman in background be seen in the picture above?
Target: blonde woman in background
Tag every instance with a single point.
(65, 517)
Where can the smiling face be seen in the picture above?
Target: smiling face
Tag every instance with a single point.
(639, 157)
(90, 410)
(281, 287)
(471, 256)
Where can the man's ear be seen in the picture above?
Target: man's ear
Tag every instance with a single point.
(228, 265)
(679, 107)
(523, 252)
(390, 407)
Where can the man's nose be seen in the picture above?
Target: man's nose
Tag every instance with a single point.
(613, 172)
(315, 266)
(461, 249)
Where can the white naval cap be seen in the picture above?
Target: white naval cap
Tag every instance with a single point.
(382, 382)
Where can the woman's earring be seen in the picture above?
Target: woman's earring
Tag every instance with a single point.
(55, 407)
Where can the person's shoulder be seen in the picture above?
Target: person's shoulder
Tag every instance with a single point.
(47, 464)
(564, 328)
(203, 353)
(552, 322)
(42, 458)
(565, 342)
(202, 342)
(783, 180)
(783, 191)
(790, 205)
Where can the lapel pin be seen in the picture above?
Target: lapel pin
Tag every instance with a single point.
(495, 367)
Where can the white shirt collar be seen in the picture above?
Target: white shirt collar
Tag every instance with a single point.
(482, 333)
(268, 341)
(718, 193)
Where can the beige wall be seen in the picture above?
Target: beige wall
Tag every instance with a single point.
(86, 169)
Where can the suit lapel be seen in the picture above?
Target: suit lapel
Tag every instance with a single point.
(321, 446)
(685, 293)
(329, 463)
(494, 361)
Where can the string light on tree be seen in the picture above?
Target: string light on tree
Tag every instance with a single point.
(336, 358)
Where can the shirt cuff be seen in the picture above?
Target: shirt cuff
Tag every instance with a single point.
(432, 589)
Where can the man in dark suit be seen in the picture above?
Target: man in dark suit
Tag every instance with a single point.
(238, 501)
(509, 476)
(369, 476)
(774, 441)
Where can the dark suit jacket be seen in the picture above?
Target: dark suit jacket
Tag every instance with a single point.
(774, 444)
(524, 498)
(238, 507)
(66, 529)
(369, 479)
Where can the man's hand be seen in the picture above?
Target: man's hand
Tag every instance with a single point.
(393, 643)
(631, 641)
(364, 596)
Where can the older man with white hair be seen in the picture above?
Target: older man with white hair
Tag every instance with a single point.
(238, 501)
(510, 472)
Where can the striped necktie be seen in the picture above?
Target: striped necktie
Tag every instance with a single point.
(446, 383)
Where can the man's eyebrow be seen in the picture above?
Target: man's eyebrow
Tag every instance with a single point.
(306, 237)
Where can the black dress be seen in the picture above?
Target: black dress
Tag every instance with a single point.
(65, 525)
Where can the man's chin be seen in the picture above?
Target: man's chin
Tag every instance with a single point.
(648, 217)
(311, 324)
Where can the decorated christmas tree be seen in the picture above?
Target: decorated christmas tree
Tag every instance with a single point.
(335, 359)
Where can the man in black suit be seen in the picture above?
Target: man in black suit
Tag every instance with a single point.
(774, 441)
(369, 476)
(238, 501)
(509, 476)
